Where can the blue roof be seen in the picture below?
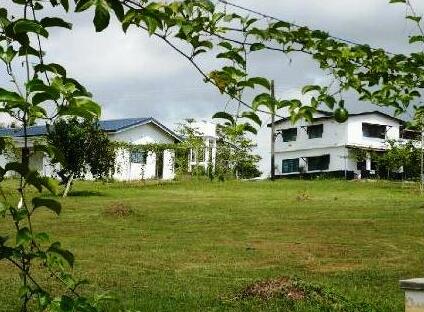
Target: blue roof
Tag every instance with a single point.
(111, 126)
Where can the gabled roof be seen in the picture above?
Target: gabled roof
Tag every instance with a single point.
(109, 126)
(329, 115)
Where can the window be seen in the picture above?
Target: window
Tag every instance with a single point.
(361, 165)
(138, 157)
(290, 165)
(319, 163)
(410, 135)
(201, 154)
(289, 135)
(374, 131)
(315, 132)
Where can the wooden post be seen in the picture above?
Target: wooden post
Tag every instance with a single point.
(273, 133)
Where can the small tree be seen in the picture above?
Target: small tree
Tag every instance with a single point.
(235, 150)
(418, 124)
(85, 148)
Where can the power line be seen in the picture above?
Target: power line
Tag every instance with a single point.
(294, 25)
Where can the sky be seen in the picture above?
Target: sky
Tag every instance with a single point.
(134, 75)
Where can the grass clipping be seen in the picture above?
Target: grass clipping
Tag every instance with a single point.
(119, 210)
(296, 290)
(269, 289)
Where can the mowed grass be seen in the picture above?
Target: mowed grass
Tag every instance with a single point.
(195, 245)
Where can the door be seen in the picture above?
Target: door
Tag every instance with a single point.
(159, 165)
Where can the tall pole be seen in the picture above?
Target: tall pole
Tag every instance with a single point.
(272, 133)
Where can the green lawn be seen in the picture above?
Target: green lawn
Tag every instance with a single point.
(194, 246)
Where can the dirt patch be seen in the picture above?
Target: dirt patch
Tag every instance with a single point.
(119, 210)
(268, 289)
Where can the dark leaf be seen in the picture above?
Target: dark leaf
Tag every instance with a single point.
(310, 88)
(55, 22)
(66, 255)
(224, 115)
(83, 5)
(50, 204)
(252, 116)
(29, 26)
(23, 237)
(101, 16)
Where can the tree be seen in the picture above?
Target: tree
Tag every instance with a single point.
(45, 92)
(235, 155)
(192, 28)
(417, 123)
(85, 148)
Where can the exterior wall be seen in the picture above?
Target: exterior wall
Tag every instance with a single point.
(334, 135)
(208, 132)
(339, 160)
(355, 137)
(125, 170)
(336, 140)
(145, 134)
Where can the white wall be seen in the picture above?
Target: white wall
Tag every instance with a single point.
(355, 136)
(145, 134)
(335, 140)
(334, 135)
(339, 159)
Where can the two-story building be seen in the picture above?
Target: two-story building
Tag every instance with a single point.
(324, 145)
(206, 157)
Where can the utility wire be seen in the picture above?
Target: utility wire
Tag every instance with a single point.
(293, 24)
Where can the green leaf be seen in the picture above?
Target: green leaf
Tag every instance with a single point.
(263, 99)
(51, 204)
(8, 55)
(249, 128)
(44, 96)
(257, 46)
(151, 23)
(224, 115)
(117, 8)
(52, 67)
(82, 106)
(310, 88)
(418, 38)
(397, 1)
(50, 184)
(101, 16)
(23, 237)
(6, 252)
(261, 81)
(9, 96)
(83, 5)
(65, 4)
(416, 19)
(29, 26)
(66, 255)
(252, 116)
(42, 237)
(14, 166)
(3, 209)
(55, 22)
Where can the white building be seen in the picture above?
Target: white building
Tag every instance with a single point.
(324, 145)
(206, 157)
(129, 165)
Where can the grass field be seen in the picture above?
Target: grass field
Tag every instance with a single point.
(195, 245)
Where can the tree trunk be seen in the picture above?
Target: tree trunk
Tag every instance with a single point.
(68, 186)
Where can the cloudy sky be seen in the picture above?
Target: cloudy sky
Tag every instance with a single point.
(133, 75)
